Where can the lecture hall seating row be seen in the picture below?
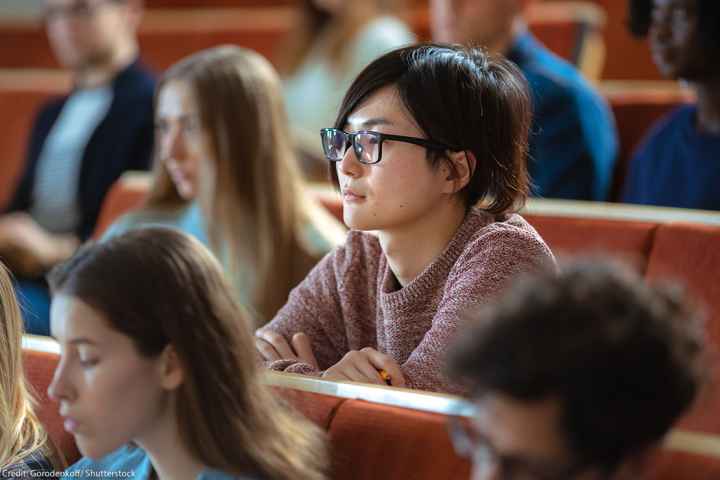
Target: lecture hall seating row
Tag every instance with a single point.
(400, 434)
(380, 433)
(629, 59)
(636, 106)
(663, 244)
(167, 35)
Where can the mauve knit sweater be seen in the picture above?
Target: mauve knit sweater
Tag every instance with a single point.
(351, 300)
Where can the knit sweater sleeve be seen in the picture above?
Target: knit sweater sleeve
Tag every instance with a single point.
(314, 308)
(486, 266)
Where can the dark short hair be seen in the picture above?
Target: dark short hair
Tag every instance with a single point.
(708, 15)
(465, 98)
(623, 358)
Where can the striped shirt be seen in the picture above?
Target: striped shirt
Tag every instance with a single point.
(54, 204)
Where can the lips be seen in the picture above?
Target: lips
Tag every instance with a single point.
(351, 195)
(70, 425)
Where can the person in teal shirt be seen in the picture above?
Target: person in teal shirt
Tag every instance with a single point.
(225, 172)
(158, 377)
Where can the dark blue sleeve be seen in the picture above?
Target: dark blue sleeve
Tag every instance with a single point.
(44, 119)
(573, 144)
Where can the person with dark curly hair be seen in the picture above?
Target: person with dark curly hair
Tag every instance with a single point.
(676, 165)
(576, 376)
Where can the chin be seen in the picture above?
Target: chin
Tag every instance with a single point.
(97, 449)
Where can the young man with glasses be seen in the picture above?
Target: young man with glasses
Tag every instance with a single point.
(429, 151)
(80, 144)
(576, 376)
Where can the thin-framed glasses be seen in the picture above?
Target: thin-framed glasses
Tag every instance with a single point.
(469, 443)
(366, 144)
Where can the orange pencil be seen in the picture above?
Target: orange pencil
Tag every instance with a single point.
(385, 376)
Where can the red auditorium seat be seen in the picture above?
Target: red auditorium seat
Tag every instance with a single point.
(377, 442)
(690, 254)
(39, 367)
(21, 94)
(128, 192)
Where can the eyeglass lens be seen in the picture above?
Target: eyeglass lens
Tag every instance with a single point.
(365, 144)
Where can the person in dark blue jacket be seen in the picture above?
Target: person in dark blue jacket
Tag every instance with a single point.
(678, 163)
(79, 144)
(573, 142)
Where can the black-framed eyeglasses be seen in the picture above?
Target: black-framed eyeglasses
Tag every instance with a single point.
(473, 445)
(366, 144)
(80, 9)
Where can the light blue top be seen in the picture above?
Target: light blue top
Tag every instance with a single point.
(188, 219)
(314, 91)
(131, 463)
(54, 205)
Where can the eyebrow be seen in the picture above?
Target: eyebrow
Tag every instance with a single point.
(373, 122)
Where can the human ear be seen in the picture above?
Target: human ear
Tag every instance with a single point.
(172, 373)
(464, 163)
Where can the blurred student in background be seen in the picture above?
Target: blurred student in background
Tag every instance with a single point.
(332, 41)
(576, 376)
(80, 143)
(225, 172)
(25, 450)
(573, 142)
(677, 163)
(430, 186)
(160, 388)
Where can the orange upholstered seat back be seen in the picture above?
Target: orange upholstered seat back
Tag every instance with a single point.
(377, 442)
(39, 369)
(690, 254)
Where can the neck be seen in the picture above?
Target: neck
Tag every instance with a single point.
(97, 75)
(407, 255)
(708, 104)
(169, 456)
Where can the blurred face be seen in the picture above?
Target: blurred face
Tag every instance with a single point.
(109, 394)
(182, 139)
(674, 42)
(481, 22)
(402, 188)
(513, 440)
(87, 33)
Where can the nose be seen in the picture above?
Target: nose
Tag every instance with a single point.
(350, 166)
(60, 388)
(174, 146)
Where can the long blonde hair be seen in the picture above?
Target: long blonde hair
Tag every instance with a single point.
(21, 433)
(318, 27)
(256, 206)
(226, 417)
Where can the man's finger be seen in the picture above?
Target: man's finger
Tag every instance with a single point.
(303, 347)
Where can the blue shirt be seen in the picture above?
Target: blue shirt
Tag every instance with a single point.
(130, 463)
(573, 142)
(676, 165)
(188, 219)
